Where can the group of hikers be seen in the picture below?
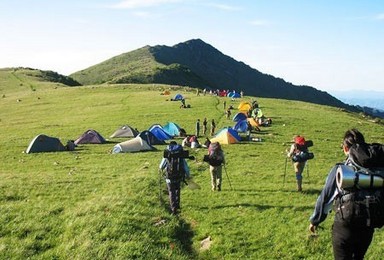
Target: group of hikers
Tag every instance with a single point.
(354, 189)
(359, 208)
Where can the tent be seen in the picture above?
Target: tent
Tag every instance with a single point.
(233, 95)
(226, 135)
(244, 106)
(90, 137)
(125, 131)
(136, 144)
(150, 138)
(178, 97)
(239, 116)
(172, 129)
(241, 126)
(159, 133)
(43, 143)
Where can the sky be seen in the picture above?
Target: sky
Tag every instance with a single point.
(329, 45)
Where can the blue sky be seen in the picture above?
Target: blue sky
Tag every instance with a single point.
(327, 44)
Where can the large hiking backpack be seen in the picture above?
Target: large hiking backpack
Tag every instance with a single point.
(216, 156)
(175, 168)
(302, 153)
(362, 203)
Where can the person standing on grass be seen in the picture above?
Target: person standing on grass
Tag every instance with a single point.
(213, 127)
(351, 237)
(205, 122)
(198, 128)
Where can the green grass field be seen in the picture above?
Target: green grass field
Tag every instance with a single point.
(91, 204)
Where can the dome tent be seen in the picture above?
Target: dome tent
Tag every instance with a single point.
(44, 143)
(136, 144)
(125, 131)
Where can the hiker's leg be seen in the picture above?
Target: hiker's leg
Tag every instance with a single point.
(219, 171)
(213, 177)
(299, 176)
(172, 196)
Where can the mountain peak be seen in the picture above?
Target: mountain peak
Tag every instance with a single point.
(196, 63)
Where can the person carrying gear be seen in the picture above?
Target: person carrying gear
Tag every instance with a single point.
(175, 170)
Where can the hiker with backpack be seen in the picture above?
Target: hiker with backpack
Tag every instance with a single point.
(299, 155)
(216, 160)
(175, 170)
(358, 205)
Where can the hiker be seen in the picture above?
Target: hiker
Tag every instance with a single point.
(198, 127)
(216, 161)
(351, 232)
(213, 127)
(224, 104)
(298, 147)
(228, 113)
(176, 171)
(205, 122)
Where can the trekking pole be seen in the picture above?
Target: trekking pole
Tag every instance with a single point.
(285, 169)
(307, 170)
(160, 198)
(229, 181)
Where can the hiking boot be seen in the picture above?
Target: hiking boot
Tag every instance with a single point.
(219, 188)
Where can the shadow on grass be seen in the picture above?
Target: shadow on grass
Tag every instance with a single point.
(259, 207)
(182, 233)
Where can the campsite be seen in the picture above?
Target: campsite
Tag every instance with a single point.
(91, 203)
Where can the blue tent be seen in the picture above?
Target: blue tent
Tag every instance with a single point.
(241, 126)
(160, 133)
(172, 129)
(178, 97)
(233, 95)
(239, 116)
(150, 138)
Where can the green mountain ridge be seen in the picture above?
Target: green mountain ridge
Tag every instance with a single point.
(197, 64)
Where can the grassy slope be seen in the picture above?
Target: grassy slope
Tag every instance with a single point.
(90, 204)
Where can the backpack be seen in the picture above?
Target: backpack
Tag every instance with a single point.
(363, 203)
(175, 168)
(302, 153)
(216, 156)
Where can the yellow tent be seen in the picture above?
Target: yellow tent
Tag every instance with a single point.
(244, 106)
(226, 136)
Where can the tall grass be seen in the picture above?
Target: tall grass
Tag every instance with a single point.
(91, 204)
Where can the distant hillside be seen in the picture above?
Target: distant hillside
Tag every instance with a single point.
(16, 77)
(197, 64)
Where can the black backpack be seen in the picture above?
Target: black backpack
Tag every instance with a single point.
(175, 168)
(216, 156)
(303, 153)
(363, 203)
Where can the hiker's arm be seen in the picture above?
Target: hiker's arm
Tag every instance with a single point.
(325, 201)
(186, 168)
(291, 151)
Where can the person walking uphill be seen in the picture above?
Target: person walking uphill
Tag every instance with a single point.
(297, 149)
(176, 170)
(216, 161)
(357, 212)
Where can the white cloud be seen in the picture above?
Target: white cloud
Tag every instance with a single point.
(134, 4)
